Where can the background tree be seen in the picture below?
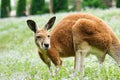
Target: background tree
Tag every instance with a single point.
(108, 3)
(78, 5)
(51, 6)
(5, 8)
(60, 5)
(93, 4)
(37, 7)
(118, 3)
(21, 8)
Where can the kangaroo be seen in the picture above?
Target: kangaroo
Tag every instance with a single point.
(76, 35)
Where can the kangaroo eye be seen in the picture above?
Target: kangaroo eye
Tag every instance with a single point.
(38, 37)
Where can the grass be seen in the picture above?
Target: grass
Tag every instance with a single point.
(18, 53)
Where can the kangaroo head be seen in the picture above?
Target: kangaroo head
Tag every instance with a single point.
(42, 37)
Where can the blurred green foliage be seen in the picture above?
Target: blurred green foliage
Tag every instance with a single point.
(21, 8)
(37, 7)
(60, 5)
(93, 4)
(118, 3)
(42, 6)
(5, 8)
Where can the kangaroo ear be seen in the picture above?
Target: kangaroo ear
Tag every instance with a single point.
(50, 23)
(32, 25)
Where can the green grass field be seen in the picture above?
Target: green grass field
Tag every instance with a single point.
(18, 53)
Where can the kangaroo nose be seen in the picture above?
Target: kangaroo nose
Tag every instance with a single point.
(46, 45)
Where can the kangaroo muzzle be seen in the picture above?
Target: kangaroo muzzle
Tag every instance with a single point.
(46, 43)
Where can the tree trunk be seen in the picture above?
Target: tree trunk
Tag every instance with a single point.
(51, 7)
(78, 5)
(108, 3)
